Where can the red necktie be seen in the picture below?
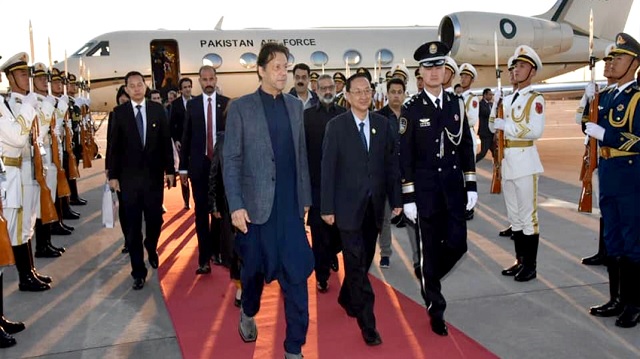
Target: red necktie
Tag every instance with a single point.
(209, 131)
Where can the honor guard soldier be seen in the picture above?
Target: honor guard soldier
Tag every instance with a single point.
(522, 124)
(313, 81)
(582, 117)
(618, 135)
(45, 107)
(17, 121)
(451, 71)
(468, 75)
(340, 80)
(439, 178)
(75, 121)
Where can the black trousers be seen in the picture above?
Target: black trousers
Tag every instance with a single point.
(138, 202)
(358, 249)
(207, 227)
(323, 239)
(486, 145)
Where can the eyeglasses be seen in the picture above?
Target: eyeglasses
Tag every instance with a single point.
(366, 92)
(326, 88)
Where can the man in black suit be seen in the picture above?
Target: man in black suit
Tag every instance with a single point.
(486, 137)
(176, 123)
(140, 155)
(360, 170)
(325, 239)
(204, 116)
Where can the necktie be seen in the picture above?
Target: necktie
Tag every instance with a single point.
(363, 137)
(438, 103)
(209, 130)
(139, 123)
(515, 97)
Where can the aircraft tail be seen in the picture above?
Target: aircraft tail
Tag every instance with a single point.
(609, 17)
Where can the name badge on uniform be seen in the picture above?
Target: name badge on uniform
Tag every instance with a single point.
(425, 122)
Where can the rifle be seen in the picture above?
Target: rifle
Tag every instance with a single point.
(62, 189)
(6, 252)
(86, 140)
(498, 138)
(590, 157)
(74, 173)
(48, 213)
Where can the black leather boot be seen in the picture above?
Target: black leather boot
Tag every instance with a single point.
(47, 228)
(8, 326)
(506, 232)
(629, 293)
(613, 307)
(67, 211)
(6, 340)
(517, 266)
(27, 281)
(600, 257)
(43, 240)
(61, 227)
(75, 200)
(57, 229)
(43, 278)
(529, 258)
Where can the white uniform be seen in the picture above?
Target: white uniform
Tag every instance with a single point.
(472, 108)
(14, 135)
(46, 111)
(521, 166)
(30, 188)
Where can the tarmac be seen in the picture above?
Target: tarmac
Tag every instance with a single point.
(92, 312)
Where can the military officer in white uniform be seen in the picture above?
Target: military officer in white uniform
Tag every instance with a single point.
(522, 124)
(450, 73)
(15, 132)
(46, 108)
(468, 75)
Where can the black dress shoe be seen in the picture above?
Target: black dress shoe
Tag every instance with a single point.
(525, 274)
(41, 277)
(216, 259)
(47, 252)
(11, 327)
(6, 340)
(32, 284)
(371, 337)
(335, 264)
(66, 226)
(595, 260)
(629, 317)
(506, 232)
(323, 286)
(204, 269)
(612, 308)
(77, 201)
(59, 249)
(138, 283)
(513, 270)
(125, 250)
(154, 261)
(58, 230)
(70, 215)
(439, 327)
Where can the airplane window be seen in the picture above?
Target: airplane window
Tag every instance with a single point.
(85, 48)
(248, 60)
(352, 57)
(384, 57)
(101, 49)
(291, 60)
(319, 58)
(212, 60)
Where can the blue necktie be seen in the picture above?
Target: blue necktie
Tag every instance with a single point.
(363, 137)
(438, 103)
(139, 123)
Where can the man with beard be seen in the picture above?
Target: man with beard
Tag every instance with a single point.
(204, 116)
(301, 76)
(325, 239)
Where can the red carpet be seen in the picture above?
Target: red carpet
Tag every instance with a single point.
(206, 320)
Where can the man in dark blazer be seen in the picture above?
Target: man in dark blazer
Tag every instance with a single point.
(266, 180)
(360, 170)
(176, 123)
(140, 155)
(204, 116)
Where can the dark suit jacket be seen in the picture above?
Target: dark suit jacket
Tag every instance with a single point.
(483, 118)
(176, 118)
(193, 156)
(131, 163)
(350, 173)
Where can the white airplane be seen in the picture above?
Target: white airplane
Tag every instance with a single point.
(559, 36)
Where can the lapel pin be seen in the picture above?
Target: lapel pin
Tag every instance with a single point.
(373, 131)
(154, 125)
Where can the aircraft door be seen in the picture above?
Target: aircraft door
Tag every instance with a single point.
(165, 66)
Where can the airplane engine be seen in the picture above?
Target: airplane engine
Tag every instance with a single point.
(470, 36)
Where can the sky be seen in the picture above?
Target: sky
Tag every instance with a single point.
(86, 19)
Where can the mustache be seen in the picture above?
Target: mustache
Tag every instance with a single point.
(328, 98)
(300, 84)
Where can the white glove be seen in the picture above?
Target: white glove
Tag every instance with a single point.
(594, 130)
(497, 96)
(590, 91)
(472, 199)
(30, 100)
(411, 211)
(499, 123)
(51, 100)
